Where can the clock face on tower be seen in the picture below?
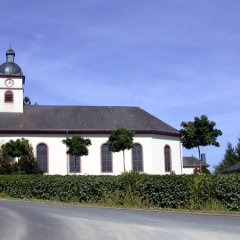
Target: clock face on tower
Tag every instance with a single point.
(9, 83)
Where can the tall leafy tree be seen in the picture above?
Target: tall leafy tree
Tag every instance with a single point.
(120, 140)
(200, 132)
(77, 146)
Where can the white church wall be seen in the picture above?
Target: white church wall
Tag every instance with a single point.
(158, 144)
(152, 145)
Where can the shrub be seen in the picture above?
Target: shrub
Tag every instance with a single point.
(130, 190)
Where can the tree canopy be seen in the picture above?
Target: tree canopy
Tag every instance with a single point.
(26, 101)
(231, 157)
(120, 140)
(22, 149)
(77, 146)
(200, 132)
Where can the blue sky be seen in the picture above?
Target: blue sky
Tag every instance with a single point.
(175, 59)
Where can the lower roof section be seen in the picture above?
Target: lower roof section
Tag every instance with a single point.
(72, 132)
(190, 162)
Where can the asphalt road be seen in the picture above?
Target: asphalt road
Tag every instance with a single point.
(35, 221)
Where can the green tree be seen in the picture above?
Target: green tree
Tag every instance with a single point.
(231, 156)
(120, 140)
(77, 146)
(5, 166)
(237, 149)
(18, 148)
(22, 149)
(200, 132)
(29, 165)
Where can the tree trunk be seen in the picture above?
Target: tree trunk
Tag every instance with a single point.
(200, 161)
(124, 169)
(75, 163)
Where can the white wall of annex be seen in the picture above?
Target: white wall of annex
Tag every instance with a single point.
(188, 170)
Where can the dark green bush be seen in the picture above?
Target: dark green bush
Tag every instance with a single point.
(129, 189)
(164, 191)
(226, 189)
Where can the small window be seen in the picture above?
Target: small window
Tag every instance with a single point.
(42, 157)
(8, 96)
(106, 156)
(137, 158)
(167, 158)
(74, 164)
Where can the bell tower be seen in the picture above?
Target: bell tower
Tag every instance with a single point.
(11, 85)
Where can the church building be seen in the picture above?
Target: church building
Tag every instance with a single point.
(157, 148)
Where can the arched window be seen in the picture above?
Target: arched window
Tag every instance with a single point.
(8, 96)
(167, 158)
(137, 159)
(74, 164)
(42, 157)
(106, 158)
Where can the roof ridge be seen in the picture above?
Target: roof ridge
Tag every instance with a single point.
(43, 105)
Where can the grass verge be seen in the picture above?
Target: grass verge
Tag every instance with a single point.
(212, 208)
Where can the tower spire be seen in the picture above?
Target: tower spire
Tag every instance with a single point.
(10, 54)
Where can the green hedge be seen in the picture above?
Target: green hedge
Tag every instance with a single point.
(130, 189)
